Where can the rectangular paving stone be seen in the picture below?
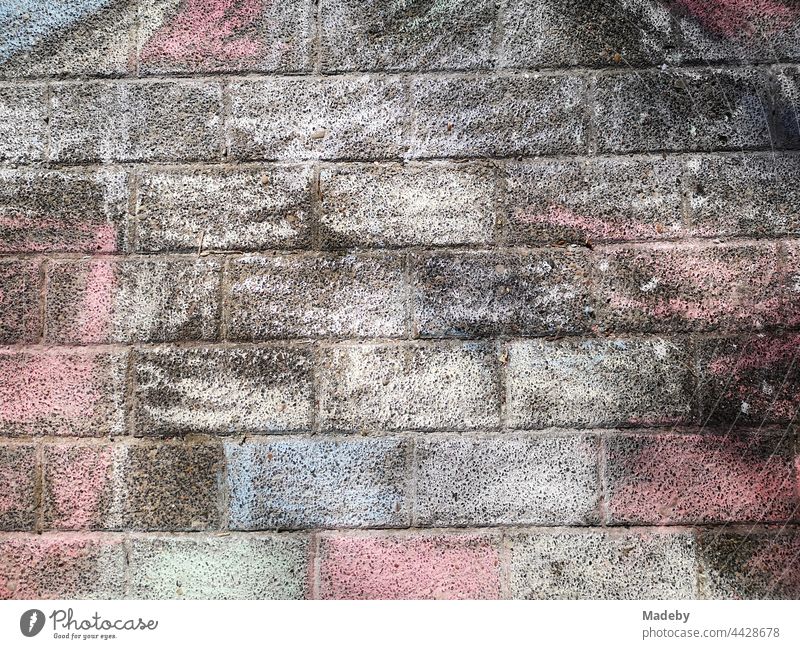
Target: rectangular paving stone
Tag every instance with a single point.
(18, 492)
(219, 567)
(451, 35)
(397, 387)
(504, 116)
(212, 208)
(69, 210)
(20, 298)
(62, 392)
(307, 483)
(406, 205)
(134, 121)
(315, 296)
(694, 110)
(252, 35)
(695, 287)
(711, 478)
(62, 566)
(466, 294)
(622, 199)
(133, 300)
(23, 123)
(787, 116)
(603, 564)
(598, 383)
(409, 566)
(213, 390)
(506, 480)
(356, 119)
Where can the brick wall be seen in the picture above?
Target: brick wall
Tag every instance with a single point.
(427, 298)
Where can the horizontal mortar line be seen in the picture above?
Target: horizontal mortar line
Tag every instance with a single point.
(679, 243)
(144, 166)
(492, 72)
(266, 437)
(460, 159)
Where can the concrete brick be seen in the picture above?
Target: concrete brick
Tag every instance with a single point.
(18, 491)
(67, 210)
(357, 295)
(749, 33)
(133, 300)
(695, 287)
(508, 293)
(751, 379)
(23, 123)
(414, 566)
(790, 271)
(58, 392)
(507, 116)
(747, 195)
(406, 205)
(304, 483)
(622, 199)
(603, 564)
(349, 118)
(436, 387)
(219, 567)
(132, 121)
(750, 564)
(225, 36)
(553, 33)
(598, 383)
(787, 115)
(249, 390)
(154, 486)
(20, 318)
(688, 109)
(506, 480)
(708, 478)
(67, 38)
(62, 566)
(439, 35)
(212, 208)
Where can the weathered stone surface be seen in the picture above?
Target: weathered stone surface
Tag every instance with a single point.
(213, 208)
(212, 390)
(506, 480)
(396, 387)
(20, 298)
(304, 483)
(18, 490)
(23, 123)
(598, 383)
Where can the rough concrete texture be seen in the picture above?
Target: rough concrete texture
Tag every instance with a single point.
(296, 484)
(219, 567)
(505, 480)
(406, 205)
(250, 390)
(409, 387)
(206, 208)
(419, 566)
(68, 210)
(60, 392)
(399, 299)
(603, 564)
(598, 383)
(18, 493)
(407, 35)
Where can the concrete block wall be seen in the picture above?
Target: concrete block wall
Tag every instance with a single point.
(410, 299)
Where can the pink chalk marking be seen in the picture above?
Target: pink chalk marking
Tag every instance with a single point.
(95, 311)
(15, 485)
(220, 30)
(43, 385)
(696, 478)
(589, 227)
(742, 18)
(410, 568)
(78, 485)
